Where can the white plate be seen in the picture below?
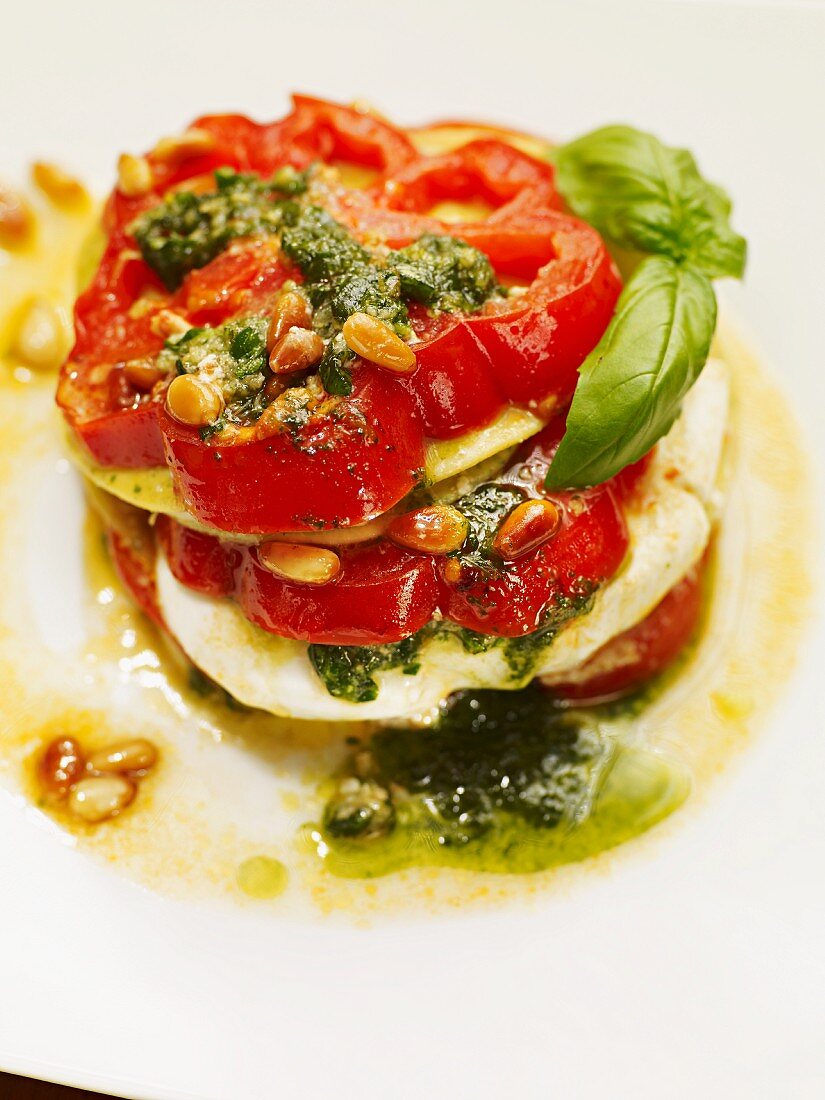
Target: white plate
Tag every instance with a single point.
(694, 967)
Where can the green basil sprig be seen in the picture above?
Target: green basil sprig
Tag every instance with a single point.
(646, 197)
(631, 386)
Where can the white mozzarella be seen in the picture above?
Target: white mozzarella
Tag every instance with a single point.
(669, 520)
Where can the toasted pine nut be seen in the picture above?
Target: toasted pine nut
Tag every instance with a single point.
(298, 349)
(375, 341)
(436, 529)
(16, 219)
(142, 374)
(193, 401)
(134, 176)
(100, 797)
(167, 323)
(60, 766)
(181, 147)
(57, 185)
(291, 310)
(126, 756)
(452, 571)
(40, 341)
(299, 563)
(530, 524)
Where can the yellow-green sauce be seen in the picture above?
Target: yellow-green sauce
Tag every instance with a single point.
(504, 782)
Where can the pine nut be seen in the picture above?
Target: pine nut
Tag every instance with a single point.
(167, 323)
(40, 341)
(298, 349)
(134, 176)
(16, 220)
(299, 563)
(452, 571)
(291, 310)
(60, 766)
(530, 524)
(191, 143)
(125, 757)
(436, 529)
(193, 402)
(375, 341)
(57, 185)
(100, 797)
(142, 374)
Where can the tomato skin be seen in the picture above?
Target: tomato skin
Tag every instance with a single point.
(525, 349)
(130, 438)
(453, 386)
(486, 169)
(642, 652)
(135, 567)
(382, 593)
(344, 467)
(587, 550)
(198, 560)
(244, 279)
(536, 347)
(385, 593)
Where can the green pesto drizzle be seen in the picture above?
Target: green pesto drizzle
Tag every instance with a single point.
(341, 276)
(506, 782)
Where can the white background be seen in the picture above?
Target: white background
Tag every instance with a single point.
(695, 972)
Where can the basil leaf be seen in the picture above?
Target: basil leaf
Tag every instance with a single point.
(632, 384)
(648, 197)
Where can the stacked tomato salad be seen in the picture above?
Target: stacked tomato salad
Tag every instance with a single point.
(355, 355)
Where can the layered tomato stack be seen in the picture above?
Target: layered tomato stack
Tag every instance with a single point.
(331, 360)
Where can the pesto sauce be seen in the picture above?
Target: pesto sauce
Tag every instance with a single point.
(505, 782)
(233, 357)
(341, 276)
(187, 231)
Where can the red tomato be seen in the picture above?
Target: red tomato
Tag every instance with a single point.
(346, 465)
(485, 169)
(590, 546)
(136, 567)
(382, 593)
(642, 652)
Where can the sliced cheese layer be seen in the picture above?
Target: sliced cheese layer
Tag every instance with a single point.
(670, 522)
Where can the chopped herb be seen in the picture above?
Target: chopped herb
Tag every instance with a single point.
(485, 508)
(347, 670)
(341, 276)
(232, 356)
(445, 274)
(334, 369)
(187, 231)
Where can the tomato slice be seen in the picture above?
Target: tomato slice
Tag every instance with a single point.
(588, 549)
(382, 593)
(135, 566)
(342, 469)
(528, 348)
(647, 649)
(485, 169)
(348, 463)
